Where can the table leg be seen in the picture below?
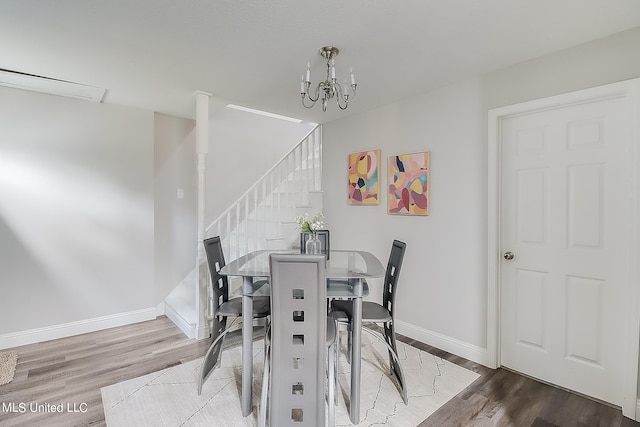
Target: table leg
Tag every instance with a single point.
(247, 346)
(356, 361)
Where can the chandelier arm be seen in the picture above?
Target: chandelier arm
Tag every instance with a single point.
(346, 103)
(305, 105)
(349, 96)
(317, 94)
(340, 95)
(344, 93)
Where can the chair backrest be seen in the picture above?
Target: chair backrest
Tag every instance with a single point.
(323, 236)
(298, 330)
(220, 291)
(391, 276)
(215, 258)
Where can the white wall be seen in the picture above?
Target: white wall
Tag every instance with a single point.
(76, 210)
(92, 232)
(442, 277)
(442, 296)
(175, 218)
(242, 148)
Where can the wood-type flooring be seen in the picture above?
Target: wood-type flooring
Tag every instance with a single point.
(67, 374)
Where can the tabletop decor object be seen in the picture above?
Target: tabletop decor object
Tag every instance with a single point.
(409, 184)
(364, 183)
(307, 224)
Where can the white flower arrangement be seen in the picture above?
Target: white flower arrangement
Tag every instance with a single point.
(310, 225)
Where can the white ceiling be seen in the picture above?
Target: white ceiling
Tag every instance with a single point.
(156, 54)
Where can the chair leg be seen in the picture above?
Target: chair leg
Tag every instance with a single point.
(390, 338)
(349, 342)
(331, 398)
(262, 409)
(338, 335)
(215, 350)
(396, 368)
(336, 357)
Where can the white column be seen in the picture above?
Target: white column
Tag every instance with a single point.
(202, 148)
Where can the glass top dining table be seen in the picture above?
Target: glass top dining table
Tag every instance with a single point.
(346, 271)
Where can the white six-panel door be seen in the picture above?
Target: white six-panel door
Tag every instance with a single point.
(566, 242)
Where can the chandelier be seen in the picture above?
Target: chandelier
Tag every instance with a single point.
(330, 88)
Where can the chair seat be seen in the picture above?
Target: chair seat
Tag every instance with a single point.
(233, 307)
(371, 311)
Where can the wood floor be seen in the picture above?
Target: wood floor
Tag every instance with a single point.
(70, 372)
(503, 398)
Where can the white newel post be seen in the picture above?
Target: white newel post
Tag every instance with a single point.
(202, 147)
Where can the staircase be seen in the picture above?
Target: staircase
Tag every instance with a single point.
(262, 218)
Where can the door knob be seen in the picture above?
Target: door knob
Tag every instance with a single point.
(508, 255)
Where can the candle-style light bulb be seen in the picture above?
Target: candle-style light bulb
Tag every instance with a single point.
(308, 71)
(302, 90)
(353, 77)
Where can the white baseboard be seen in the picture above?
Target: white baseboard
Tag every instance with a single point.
(637, 410)
(188, 328)
(160, 309)
(443, 342)
(16, 339)
(202, 332)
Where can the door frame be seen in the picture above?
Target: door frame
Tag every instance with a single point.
(630, 91)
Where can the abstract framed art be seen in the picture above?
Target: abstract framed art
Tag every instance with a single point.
(409, 177)
(364, 181)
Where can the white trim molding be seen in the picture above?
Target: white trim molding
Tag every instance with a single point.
(201, 288)
(16, 339)
(18, 80)
(187, 326)
(443, 342)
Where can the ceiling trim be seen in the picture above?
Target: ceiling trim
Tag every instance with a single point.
(18, 80)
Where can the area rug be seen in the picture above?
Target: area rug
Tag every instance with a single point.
(169, 398)
(8, 361)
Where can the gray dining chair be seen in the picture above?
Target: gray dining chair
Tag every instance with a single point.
(384, 314)
(223, 308)
(300, 345)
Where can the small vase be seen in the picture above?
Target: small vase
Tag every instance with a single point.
(313, 245)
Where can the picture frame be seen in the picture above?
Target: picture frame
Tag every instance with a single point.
(364, 178)
(408, 179)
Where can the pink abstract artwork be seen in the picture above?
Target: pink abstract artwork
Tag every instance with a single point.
(364, 184)
(409, 184)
